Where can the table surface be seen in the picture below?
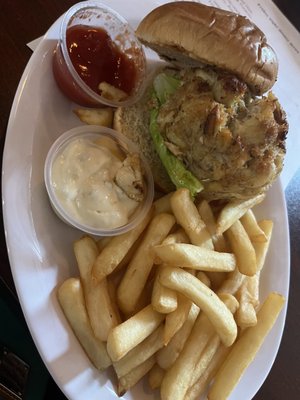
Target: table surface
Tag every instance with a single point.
(33, 19)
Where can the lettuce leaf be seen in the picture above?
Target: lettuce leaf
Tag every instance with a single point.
(179, 175)
(165, 85)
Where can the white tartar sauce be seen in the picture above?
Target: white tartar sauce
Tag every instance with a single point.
(83, 180)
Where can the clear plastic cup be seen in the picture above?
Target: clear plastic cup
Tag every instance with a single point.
(96, 133)
(95, 14)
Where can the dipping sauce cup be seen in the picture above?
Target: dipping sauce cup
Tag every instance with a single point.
(98, 61)
(97, 182)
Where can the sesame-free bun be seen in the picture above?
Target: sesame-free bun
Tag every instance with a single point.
(194, 34)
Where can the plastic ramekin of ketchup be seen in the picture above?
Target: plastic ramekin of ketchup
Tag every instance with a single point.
(98, 60)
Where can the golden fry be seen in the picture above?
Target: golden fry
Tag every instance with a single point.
(245, 349)
(101, 310)
(208, 217)
(176, 319)
(261, 249)
(254, 231)
(188, 217)
(232, 283)
(111, 92)
(163, 205)
(195, 257)
(167, 355)
(203, 297)
(242, 248)
(93, 116)
(116, 249)
(129, 380)
(246, 315)
(155, 376)
(70, 296)
(140, 353)
(130, 333)
(163, 300)
(234, 210)
(177, 379)
(253, 289)
(139, 268)
(178, 236)
(197, 389)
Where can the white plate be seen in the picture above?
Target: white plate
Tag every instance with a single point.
(40, 245)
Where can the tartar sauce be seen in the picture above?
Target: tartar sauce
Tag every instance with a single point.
(83, 178)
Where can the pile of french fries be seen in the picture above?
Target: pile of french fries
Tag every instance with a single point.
(176, 299)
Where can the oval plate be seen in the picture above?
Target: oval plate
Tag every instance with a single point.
(40, 245)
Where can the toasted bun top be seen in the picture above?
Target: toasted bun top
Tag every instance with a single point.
(195, 34)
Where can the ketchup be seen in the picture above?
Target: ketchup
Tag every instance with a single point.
(97, 59)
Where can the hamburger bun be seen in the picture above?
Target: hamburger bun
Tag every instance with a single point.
(190, 33)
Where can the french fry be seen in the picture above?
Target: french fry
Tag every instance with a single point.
(204, 360)
(197, 389)
(212, 346)
(178, 236)
(163, 205)
(261, 249)
(71, 299)
(176, 319)
(155, 376)
(128, 257)
(242, 248)
(253, 289)
(111, 92)
(254, 231)
(194, 257)
(177, 379)
(245, 349)
(234, 210)
(101, 310)
(141, 264)
(93, 116)
(102, 242)
(140, 353)
(166, 356)
(129, 380)
(188, 217)
(208, 217)
(232, 283)
(246, 315)
(163, 300)
(217, 312)
(145, 297)
(116, 249)
(130, 333)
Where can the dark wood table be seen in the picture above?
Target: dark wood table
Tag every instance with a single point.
(22, 21)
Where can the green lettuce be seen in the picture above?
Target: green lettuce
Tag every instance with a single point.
(164, 86)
